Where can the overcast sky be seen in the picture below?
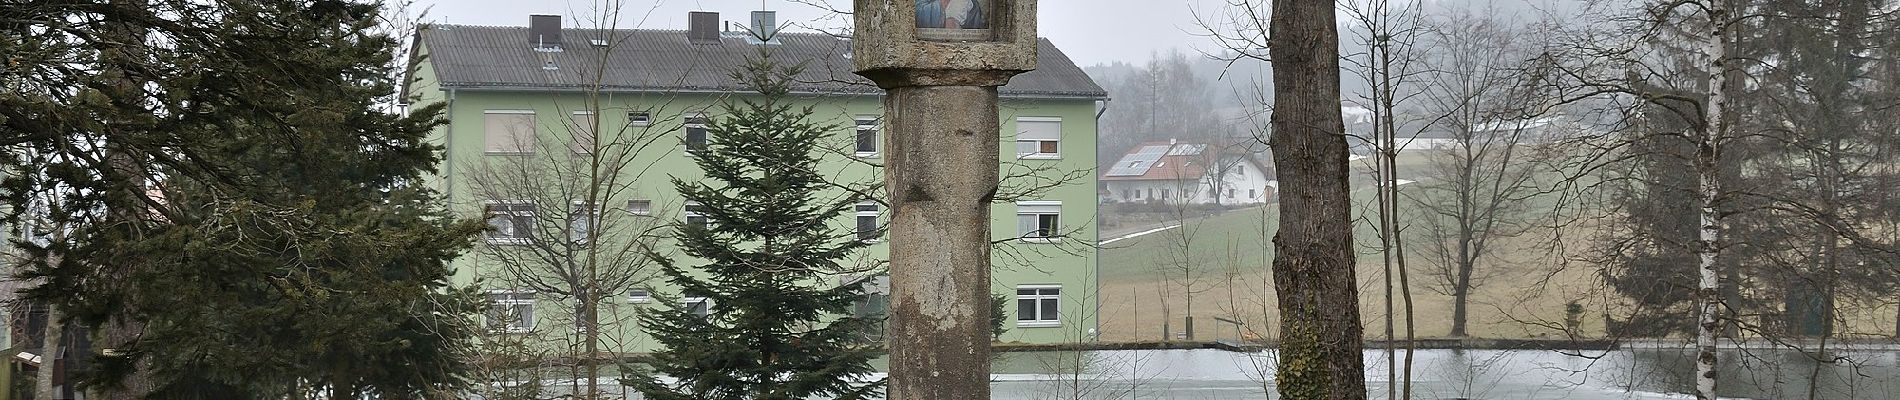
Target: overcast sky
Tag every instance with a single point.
(1090, 31)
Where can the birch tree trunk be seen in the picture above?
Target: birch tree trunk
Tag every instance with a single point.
(1708, 193)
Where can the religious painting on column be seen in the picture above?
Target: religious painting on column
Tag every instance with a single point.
(954, 19)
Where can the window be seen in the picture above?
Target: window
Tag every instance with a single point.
(639, 119)
(509, 222)
(1038, 305)
(1253, 193)
(695, 216)
(1164, 193)
(1240, 172)
(1038, 137)
(508, 131)
(699, 306)
(583, 131)
(1230, 193)
(640, 207)
(1128, 193)
(581, 222)
(639, 296)
(1185, 194)
(1037, 221)
(867, 136)
(867, 224)
(695, 132)
(510, 311)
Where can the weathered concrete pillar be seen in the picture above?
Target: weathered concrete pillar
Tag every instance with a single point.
(941, 64)
(941, 173)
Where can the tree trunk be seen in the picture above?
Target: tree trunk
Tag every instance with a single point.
(43, 388)
(1461, 299)
(1714, 130)
(123, 328)
(1321, 337)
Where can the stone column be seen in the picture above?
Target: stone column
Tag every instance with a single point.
(940, 170)
(941, 173)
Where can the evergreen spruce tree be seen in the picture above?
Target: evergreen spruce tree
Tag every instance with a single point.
(239, 205)
(775, 327)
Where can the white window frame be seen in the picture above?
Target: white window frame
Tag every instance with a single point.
(573, 133)
(521, 325)
(687, 214)
(645, 210)
(515, 218)
(861, 124)
(1036, 209)
(639, 296)
(686, 303)
(1037, 142)
(1040, 320)
(593, 219)
(686, 127)
(640, 119)
(875, 212)
(528, 148)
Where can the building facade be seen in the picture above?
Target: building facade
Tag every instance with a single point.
(553, 132)
(1224, 172)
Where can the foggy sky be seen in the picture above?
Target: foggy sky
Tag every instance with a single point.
(1089, 31)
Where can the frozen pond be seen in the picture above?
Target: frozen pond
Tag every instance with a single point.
(1447, 374)
(1458, 374)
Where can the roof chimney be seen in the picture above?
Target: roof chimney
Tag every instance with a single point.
(702, 27)
(544, 31)
(764, 27)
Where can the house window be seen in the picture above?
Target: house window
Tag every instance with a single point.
(1038, 221)
(1253, 193)
(695, 216)
(509, 222)
(867, 136)
(1186, 194)
(639, 296)
(1038, 137)
(699, 306)
(1230, 193)
(1038, 305)
(510, 311)
(1164, 193)
(695, 132)
(867, 225)
(508, 131)
(639, 119)
(640, 207)
(583, 131)
(581, 222)
(1240, 172)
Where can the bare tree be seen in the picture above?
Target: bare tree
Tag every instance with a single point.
(1481, 184)
(569, 224)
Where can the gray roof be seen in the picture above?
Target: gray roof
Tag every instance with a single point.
(489, 57)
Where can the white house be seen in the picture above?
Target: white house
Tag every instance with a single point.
(1174, 172)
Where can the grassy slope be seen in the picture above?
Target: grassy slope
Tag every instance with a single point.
(1526, 298)
(1231, 255)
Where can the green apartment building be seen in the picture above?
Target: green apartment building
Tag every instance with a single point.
(541, 119)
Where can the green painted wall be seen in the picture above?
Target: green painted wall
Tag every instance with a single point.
(1070, 265)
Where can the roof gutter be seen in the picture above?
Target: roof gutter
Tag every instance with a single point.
(1101, 108)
